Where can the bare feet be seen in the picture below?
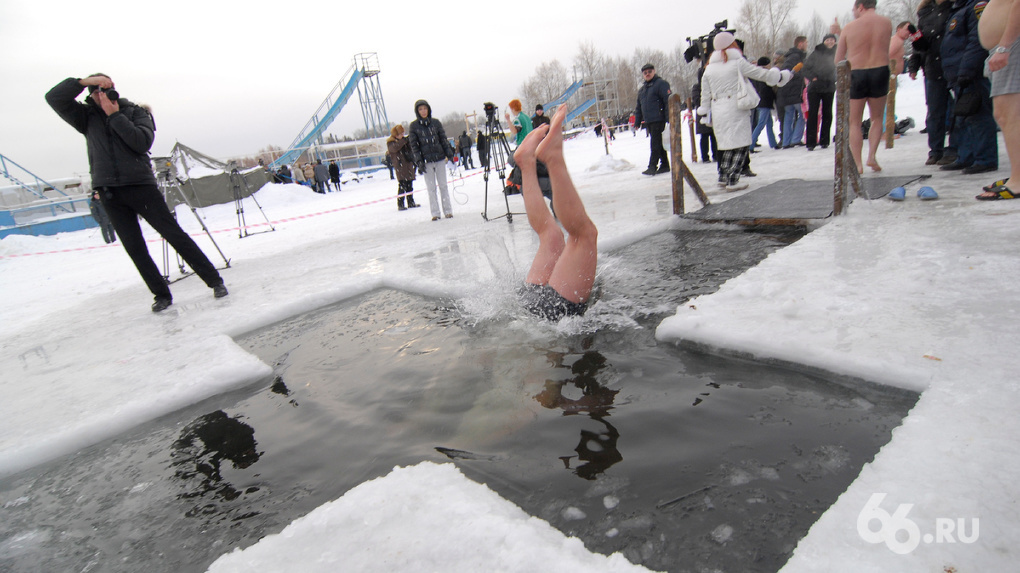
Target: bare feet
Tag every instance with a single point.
(525, 152)
(874, 166)
(551, 148)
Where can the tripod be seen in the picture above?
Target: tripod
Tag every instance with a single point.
(168, 184)
(498, 155)
(236, 181)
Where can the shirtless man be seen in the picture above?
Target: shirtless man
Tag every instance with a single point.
(560, 280)
(903, 31)
(999, 30)
(865, 44)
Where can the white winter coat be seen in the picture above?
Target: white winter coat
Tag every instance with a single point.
(719, 90)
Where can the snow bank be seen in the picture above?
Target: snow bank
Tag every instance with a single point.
(427, 517)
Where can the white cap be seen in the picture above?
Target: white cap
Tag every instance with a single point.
(722, 41)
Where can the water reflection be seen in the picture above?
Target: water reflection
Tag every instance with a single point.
(204, 445)
(597, 449)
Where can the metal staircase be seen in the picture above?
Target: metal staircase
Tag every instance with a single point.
(7, 165)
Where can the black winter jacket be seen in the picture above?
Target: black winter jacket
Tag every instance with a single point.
(118, 145)
(931, 22)
(766, 95)
(820, 70)
(793, 92)
(652, 102)
(428, 139)
(963, 58)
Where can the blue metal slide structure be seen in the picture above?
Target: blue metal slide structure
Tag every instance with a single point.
(323, 117)
(579, 110)
(565, 95)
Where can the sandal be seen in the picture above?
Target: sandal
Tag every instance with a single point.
(996, 194)
(991, 188)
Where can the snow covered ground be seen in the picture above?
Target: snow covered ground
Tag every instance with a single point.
(912, 294)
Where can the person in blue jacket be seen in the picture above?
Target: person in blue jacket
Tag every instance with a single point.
(963, 61)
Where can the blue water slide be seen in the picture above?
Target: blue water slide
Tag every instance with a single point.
(565, 95)
(322, 118)
(579, 110)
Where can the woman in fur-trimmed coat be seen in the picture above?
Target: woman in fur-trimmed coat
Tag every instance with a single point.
(719, 90)
(403, 166)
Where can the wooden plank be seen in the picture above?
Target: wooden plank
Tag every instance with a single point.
(890, 107)
(695, 185)
(676, 152)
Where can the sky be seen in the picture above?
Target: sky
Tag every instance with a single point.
(229, 78)
(896, 293)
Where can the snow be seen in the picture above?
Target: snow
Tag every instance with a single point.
(914, 294)
(415, 506)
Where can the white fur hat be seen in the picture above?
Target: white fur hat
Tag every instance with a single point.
(722, 41)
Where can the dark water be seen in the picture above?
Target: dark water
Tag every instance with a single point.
(682, 461)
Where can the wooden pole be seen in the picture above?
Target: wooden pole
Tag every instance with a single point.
(890, 108)
(846, 176)
(676, 151)
(695, 185)
(691, 125)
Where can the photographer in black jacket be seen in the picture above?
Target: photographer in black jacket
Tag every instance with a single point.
(118, 135)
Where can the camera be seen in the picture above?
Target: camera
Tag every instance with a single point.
(111, 93)
(701, 48)
(490, 113)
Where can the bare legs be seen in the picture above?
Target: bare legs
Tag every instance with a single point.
(876, 109)
(568, 266)
(1007, 114)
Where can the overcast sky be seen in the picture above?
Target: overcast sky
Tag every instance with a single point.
(228, 78)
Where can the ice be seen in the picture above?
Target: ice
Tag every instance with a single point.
(916, 295)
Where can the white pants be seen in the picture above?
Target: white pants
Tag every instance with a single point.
(435, 173)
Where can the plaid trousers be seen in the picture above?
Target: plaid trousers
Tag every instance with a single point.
(731, 163)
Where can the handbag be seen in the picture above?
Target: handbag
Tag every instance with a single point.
(968, 104)
(747, 96)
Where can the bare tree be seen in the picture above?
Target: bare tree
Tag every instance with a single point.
(816, 29)
(627, 81)
(589, 62)
(766, 25)
(898, 10)
(546, 84)
(686, 73)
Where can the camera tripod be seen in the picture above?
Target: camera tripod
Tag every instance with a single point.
(168, 185)
(236, 182)
(498, 156)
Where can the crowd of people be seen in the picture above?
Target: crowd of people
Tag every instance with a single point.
(962, 47)
(971, 88)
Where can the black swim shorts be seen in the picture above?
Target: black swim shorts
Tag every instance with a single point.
(543, 301)
(869, 83)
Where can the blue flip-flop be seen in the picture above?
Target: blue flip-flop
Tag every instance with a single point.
(897, 194)
(927, 194)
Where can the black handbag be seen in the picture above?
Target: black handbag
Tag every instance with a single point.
(968, 104)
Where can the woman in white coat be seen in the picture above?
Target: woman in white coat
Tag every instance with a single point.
(720, 90)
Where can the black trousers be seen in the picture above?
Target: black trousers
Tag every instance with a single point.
(658, 155)
(124, 205)
(816, 101)
(404, 189)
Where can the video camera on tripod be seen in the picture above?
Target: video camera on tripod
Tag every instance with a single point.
(491, 121)
(701, 48)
